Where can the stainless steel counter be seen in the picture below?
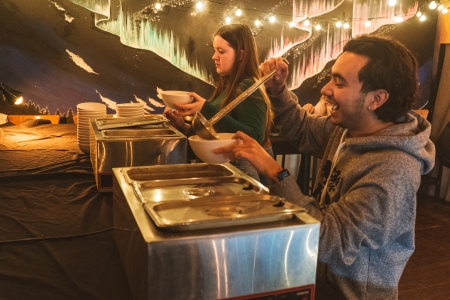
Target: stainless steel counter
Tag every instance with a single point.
(150, 144)
(239, 260)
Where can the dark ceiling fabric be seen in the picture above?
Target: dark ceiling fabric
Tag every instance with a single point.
(56, 229)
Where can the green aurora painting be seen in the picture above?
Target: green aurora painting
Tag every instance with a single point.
(60, 53)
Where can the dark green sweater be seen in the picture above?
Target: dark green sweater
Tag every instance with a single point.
(249, 116)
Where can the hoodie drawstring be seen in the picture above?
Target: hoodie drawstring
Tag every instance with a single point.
(333, 164)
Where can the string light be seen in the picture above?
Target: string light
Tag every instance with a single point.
(432, 5)
(440, 6)
(199, 5)
(398, 19)
(271, 18)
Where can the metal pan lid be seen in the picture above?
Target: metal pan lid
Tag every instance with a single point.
(218, 212)
(112, 123)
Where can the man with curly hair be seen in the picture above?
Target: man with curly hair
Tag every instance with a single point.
(374, 149)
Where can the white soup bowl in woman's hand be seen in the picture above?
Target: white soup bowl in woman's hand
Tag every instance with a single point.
(170, 98)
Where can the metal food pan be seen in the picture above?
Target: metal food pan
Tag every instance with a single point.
(176, 171)
(111, 123)
(219, 212)
(187, 189)
(138, 133)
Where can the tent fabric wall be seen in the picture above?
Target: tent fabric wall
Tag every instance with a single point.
(441, 116)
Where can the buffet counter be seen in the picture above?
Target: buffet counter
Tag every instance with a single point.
(56, 229)
(59, 234)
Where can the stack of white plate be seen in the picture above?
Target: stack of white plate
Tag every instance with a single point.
(129, 110)
(85, 112)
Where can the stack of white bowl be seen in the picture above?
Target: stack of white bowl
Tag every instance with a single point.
(129, 110)
(85, 112)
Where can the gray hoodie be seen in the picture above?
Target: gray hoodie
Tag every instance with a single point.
(368, 207)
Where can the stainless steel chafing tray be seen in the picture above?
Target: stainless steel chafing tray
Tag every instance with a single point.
(108, 123)
(178, 171)
(225, 197)
(138, 133)
(189, 181)
(219, 212)
(201, 231)
(189, 188)
(139, 141)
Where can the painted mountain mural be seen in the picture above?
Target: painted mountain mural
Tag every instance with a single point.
(60, 53)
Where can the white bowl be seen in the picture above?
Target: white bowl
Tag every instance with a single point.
(135, 115)
(204, 148)
(91, 106)
(130, 105)
(86, 149)
(175, 97)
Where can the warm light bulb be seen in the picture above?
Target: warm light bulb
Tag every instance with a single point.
(228, 20)
(318, 27)
(257, 23)
(392, 2)
(306, 22)
(19, 101)
(368, 23)
(418, 14)
(199, 6)
(272, 19)
(422, 18)
(238, 12)
(346, 25)
(440, 7)
(338, 24)
(432, 5)
(398, 19)
(291, 24)
(445, 10)
(158, 6)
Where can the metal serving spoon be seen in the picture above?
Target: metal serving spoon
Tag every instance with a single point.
(204, 128)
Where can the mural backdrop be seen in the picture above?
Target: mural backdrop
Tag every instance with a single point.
(63, 52)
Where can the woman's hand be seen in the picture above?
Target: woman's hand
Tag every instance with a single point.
(254, 153)
(276, 84)
(191, 108)
(176, 120)
(309, 108)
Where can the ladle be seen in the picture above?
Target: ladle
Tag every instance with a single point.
(204, 128)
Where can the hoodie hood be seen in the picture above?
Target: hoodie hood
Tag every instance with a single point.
(410, 134)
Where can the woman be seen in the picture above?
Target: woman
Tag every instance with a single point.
(237, 63)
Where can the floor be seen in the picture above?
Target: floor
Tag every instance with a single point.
(427, 274)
